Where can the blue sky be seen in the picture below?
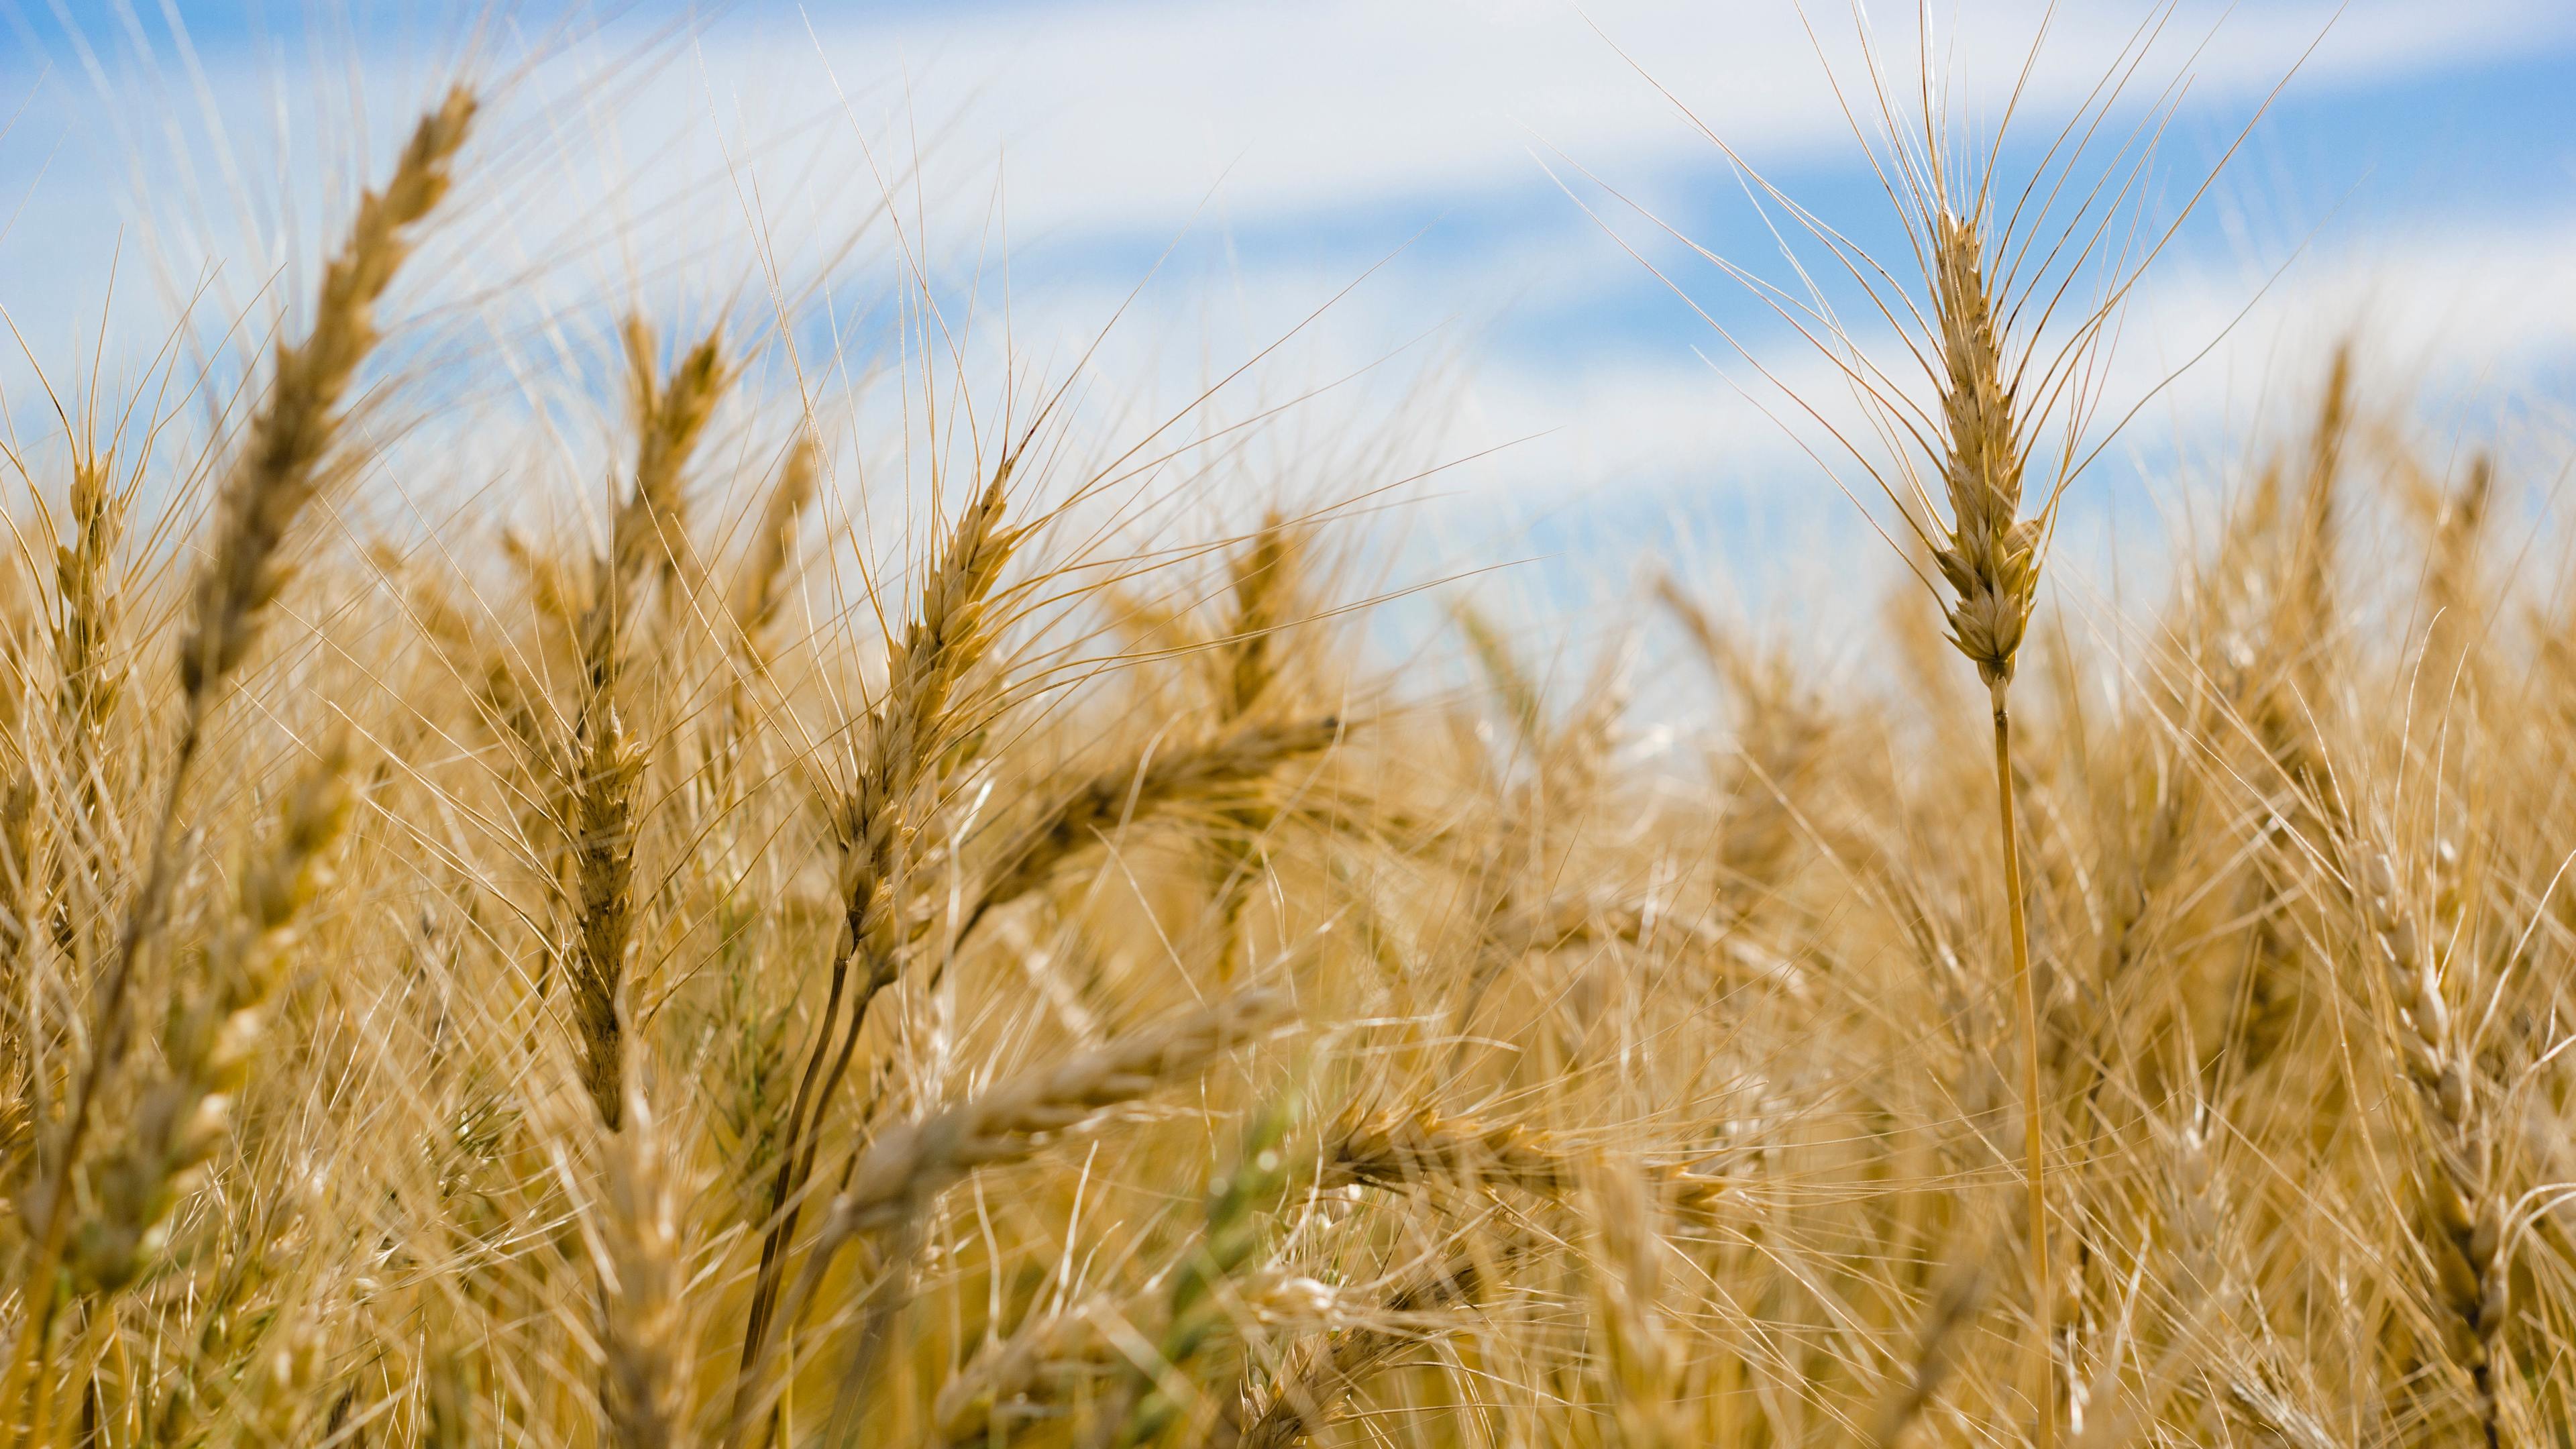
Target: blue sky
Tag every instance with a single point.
(2415, 184)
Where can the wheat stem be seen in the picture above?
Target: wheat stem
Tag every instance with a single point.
(2034, 1125)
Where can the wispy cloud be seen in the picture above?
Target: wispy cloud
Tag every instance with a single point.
(1288, 148)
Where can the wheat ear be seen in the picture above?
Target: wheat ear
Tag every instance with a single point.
(1935, 1353)
(92, 676)
(891, 1183)
(278, 473)
(642, 1318)
(207, 1044)
(898, 750)
(1236, 1210)
(1007, 1371)
(670, 417)
(763, 584)
(1409, 1148)
(2276, 1415)
(2471, 1266)
(1265, 576)
(1310, 1395)
(1132, 791)
(1989, 555)
(292, 438)
(1640, 1363)
(603, 848)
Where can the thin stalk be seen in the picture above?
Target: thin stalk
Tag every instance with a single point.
(2034, 1134)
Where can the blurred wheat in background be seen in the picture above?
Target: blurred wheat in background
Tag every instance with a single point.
(861, 925)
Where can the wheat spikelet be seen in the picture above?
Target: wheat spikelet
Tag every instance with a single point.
(1236, 1208)
(1405, 1148)
(761, 588)
(906, 1166)
(607, 763)
(19, 1023)
(2276, 1415)
(1511, 684)
(973, 1405)
(2301, 629)
(1784, 735)
(946, 637)
(1988, 553)
(90, 671)
(2454, 586)
(1310, 1394)
(2292, 545)
(555, 590)
(602, 830)
(1639, 1362)
(282, 468)
(650, 528)
(1266, 575)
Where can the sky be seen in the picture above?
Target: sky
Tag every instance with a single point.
(1473, 240)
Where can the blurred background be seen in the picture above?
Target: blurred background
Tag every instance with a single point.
(1450, 237)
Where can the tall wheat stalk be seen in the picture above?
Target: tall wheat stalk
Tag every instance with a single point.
(2007, 372)
(898, 750)
(891, 1183)
(282, 468)
(605, 761)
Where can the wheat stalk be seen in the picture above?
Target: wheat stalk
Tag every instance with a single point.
(899, 747)
(278, 473)
(1989, 556)
(895, 1179)
(606, 762)
(2471, 1228)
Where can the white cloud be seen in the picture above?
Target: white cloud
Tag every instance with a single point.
(1336, 126)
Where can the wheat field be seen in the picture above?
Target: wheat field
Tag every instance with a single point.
(700, 971)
